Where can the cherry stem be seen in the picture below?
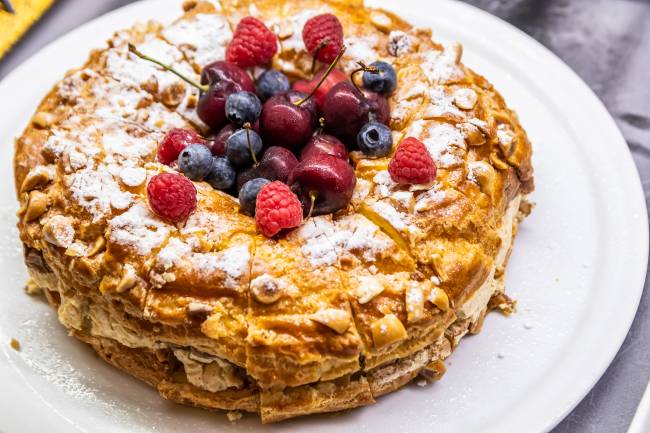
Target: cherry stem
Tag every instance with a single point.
(327, 72)
(325, 42)
(166, 67)
(321, 125)
(247, 127)
(313, 195)
(362, 68)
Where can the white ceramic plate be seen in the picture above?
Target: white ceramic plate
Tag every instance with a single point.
(577, 269)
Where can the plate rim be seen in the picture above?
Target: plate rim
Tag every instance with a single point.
(541, 55)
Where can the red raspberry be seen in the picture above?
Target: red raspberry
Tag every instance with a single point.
(174, 142)
(412, 163)
(252, 44)
(325, 32)
(171, 196)
(277, 208)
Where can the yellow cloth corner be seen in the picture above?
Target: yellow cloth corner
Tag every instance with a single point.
(12, 27)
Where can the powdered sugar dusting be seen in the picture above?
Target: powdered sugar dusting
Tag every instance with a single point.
(172, 254)
(133, 176)
(203, 37)
(442, 104)
(235, 262)
(324, 241)
(446, 145)
(96, 190)
(138, 229)
(391, 215)
(360, 49)
(317, 247)
(126, 68)
(442, 67)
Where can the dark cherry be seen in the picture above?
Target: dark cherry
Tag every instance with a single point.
(379, 107)
(345, 111)
(276, 164)
(222, 79)
(284, 123)
(327, 180)
(224, 71)
(334, 77)
(324, 144)
(217, 142)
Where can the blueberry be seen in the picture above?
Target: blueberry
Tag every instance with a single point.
(248, 195)
(195, 161)
(271, 83)
(383, 81)
(243, 107)
(238, 150)
(375, 139)
(222, 175)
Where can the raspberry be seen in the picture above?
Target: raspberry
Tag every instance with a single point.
(174, 142)
(171, 196)
(323, 33)
(412, 163)
(277, 208)
(252, 44)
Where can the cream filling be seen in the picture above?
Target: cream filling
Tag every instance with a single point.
(208, 372)
(474, 306)
(202, 370)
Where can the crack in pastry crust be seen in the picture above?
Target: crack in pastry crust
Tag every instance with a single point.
(364, 300)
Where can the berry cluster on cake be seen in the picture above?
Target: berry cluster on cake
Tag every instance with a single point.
(272, 206)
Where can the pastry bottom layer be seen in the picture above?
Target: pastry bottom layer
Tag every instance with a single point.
(183, 370)
(162, 369)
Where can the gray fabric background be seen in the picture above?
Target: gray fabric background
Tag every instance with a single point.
(607, 42)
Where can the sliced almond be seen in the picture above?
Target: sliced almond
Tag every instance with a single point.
(497, 162)
(383, 222)
(439, 298)
(128, 280)
(197, 309)
(472, 134)
(368, 289)
(381, 21)
(98, 246)
(37, 206)
(434, 370)
(77, 249)
(333, 318)
(387, 330)
(457, 48)
(37, 178)
(43, 119)
(485, 175)
(58, 231)
(414, 303)
(465, 99)
(266, 289)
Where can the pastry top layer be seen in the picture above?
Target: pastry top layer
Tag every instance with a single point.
(378, 279)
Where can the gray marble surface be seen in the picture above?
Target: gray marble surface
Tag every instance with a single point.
(608, 43)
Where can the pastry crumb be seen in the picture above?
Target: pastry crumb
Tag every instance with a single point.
(422, 383)
(31, 288)
(234, 415)
(15, 344)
